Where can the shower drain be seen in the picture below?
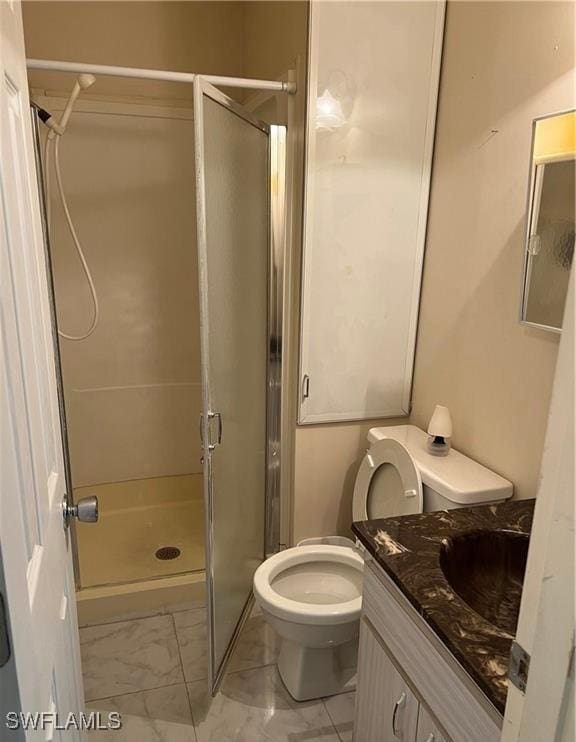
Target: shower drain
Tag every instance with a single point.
(168, 552)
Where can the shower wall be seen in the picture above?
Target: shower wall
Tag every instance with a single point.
(133, 387)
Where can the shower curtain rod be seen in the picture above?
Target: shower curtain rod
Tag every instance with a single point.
(166, 75)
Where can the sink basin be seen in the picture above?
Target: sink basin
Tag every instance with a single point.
(486, 569)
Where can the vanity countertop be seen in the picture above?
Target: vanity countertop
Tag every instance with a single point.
(408, 548)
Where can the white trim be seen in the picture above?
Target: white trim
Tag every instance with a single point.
(532, 209)
(559, 157)
(345, 417)
(428, 155)
(309, 156)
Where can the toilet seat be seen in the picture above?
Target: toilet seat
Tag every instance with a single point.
(335, 594)
(388, 483)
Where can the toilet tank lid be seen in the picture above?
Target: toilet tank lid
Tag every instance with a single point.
(456, 477)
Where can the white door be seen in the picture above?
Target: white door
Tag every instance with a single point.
(34, 547)
(546, 626)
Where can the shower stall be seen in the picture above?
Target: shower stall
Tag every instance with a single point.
(168, 318)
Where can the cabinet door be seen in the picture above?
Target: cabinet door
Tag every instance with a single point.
(427, 730)
(386, 708)
(370, 137)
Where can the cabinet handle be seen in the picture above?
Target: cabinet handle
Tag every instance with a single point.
(398, 705)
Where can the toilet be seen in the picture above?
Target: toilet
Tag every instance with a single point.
(311, 594)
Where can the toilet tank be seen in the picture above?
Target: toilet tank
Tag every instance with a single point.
(448, 482)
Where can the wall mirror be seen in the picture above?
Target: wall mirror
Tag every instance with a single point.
(550, 220)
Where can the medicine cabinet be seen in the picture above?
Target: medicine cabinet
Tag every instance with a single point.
(372, 97)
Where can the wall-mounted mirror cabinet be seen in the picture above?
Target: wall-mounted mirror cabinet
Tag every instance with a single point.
(372, 92)
(550, 220)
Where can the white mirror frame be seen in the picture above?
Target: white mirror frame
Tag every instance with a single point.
(534, 183)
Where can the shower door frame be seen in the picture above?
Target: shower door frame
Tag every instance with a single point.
(288, 112)
(55, 337)
(275, 322)
(276, 309)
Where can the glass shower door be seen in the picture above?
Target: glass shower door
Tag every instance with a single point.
(233, 217)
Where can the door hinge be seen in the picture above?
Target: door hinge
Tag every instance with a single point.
(519, 666)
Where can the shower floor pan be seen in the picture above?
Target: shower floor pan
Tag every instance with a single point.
(140, 521)
(121, 575)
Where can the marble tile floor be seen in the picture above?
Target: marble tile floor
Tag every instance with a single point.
(153, 671)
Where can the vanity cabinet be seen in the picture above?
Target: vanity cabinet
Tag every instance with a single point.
(386, 707)
(410, 687)
(427, 729)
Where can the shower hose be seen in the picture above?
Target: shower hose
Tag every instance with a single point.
(71, 228)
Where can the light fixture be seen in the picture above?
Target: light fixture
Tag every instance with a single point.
(440, 431)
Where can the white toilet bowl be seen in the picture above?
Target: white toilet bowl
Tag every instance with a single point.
(312, 597)
(311, 594)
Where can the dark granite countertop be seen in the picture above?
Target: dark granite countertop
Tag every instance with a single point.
(408, 548)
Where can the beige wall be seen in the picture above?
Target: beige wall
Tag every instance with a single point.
(504, 63)
(275, 33)
(327, 460)
(220, 37)
(181, 36)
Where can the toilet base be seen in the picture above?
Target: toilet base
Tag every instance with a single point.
(310, 673)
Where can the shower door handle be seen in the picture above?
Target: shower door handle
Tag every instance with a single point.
(218, 416)
(211, 416)
(214, 416)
